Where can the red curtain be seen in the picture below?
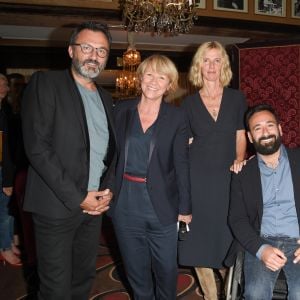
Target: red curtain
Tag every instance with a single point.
(272, 75)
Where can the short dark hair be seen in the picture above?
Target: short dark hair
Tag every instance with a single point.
(93, 26)
(258, 108)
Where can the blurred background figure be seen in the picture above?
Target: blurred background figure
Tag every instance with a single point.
(11, 108)
(9, 251)
(17, 84)
(23, 221)
(217, 147)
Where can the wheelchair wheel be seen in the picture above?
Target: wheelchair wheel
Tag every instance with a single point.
(235, 279)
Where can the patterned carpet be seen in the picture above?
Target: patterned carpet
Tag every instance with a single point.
(110, 282)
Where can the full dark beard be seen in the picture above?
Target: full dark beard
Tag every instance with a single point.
(85, 71)
(269, 148)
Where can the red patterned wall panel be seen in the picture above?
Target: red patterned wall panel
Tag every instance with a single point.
(272, 75)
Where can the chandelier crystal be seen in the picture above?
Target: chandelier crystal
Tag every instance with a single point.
(159, 16)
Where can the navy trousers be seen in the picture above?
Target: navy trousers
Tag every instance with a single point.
(148, 249)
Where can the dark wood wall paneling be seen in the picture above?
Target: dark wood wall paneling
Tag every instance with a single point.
(58, 58)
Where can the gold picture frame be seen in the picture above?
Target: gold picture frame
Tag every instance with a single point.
(295, 9)
(200, 4)
(235, 5)
(274, 8)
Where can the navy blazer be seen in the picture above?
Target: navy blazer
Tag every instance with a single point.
(168, 181)
(246, 207)
(57, 144)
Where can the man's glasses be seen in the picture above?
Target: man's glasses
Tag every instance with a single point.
(88, 49)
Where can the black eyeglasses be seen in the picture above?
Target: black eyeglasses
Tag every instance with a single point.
(88, 49)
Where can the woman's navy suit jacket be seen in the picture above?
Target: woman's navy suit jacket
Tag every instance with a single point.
(168, 180)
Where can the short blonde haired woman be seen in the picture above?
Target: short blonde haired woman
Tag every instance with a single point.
(152, 181)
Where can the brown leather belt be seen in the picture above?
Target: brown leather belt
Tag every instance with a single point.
(134, 178)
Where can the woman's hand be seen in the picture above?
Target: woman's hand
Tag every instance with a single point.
(185, 218)
(237, 165)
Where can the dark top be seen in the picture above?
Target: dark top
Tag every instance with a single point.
(57, 144)
(168, 181)
(211, 154)
(139, 145)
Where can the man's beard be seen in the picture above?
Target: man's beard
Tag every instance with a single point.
(86, 71)
(267, 148)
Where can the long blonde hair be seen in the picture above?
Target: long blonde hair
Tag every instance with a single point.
(195, 74)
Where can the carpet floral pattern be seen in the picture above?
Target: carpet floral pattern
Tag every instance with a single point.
(110, 282)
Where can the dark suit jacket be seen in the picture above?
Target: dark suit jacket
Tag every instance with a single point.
(246, 207)
(168, 181)
(56, 142)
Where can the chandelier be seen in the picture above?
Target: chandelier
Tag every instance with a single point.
(161, 16)
(126, 81)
